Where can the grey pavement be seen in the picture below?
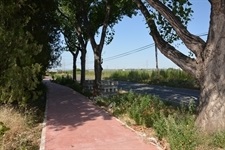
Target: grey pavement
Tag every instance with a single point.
(173, 95)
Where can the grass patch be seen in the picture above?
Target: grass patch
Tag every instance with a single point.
(218, 140)
(19, 133)
(20, 127)
(131, 75)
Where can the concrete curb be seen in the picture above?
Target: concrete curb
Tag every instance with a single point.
(43, 133)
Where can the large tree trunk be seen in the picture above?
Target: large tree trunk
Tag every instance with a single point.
(98, 72)
(83, 66)
(211, 116)
(211, 110)
(212, 99)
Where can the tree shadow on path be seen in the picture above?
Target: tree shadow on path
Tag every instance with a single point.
(67, 108)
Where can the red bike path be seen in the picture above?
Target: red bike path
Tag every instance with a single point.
(73, 122)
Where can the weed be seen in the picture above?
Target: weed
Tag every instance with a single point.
(21, 125)
(133, 75)
(175, 125)
(174, 78)
(3, 129)
(218, 139)
(19, 135)
(68, 81)
(181, 132)
(160, 127)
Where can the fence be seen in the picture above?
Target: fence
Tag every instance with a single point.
(106, 86)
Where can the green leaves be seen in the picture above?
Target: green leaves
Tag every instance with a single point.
(19, 72)
(181, 9)
(3, 129)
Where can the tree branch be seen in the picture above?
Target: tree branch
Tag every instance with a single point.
(105, 25)
(89, 29)
(192, 42)
(61, 13)
(186, 63)
(217, 13)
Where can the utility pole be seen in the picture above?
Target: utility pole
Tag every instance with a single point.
(156, 58)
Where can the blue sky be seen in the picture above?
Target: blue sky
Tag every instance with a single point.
(131, 34)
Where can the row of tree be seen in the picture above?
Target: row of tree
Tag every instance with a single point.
(30, 43)
(83, 21)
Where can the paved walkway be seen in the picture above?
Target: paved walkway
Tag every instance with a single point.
(74, 123)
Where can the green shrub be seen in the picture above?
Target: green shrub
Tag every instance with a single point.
(68, 81)
(160, 126)
(143, 109)
(139, 109)
(168, 77)
(119, 75)
(178, 129)
(173, 78)
(146, 110)
(133, 75)
(181, 133)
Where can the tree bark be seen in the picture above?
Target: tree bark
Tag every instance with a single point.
(212, 98)
(211, 110)
(98, 72)
(74, 68)
(83, 48)
(83, 66)
(75, 64)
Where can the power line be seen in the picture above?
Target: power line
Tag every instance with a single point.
(133, 51)
(138, 50)
(129, 52)
(203, 34)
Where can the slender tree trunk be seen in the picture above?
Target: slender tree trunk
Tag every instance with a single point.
(98, 72)
(83, 66)
(75, 64)
(74, 68)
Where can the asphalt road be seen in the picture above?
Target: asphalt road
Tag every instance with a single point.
(173, 95)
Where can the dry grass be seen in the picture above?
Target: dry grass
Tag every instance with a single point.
(20, 135)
